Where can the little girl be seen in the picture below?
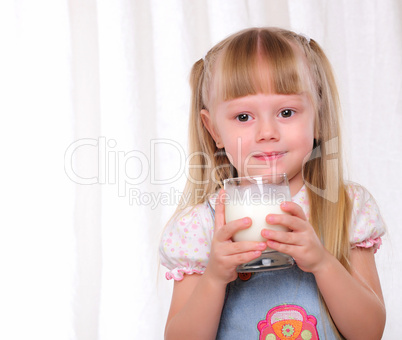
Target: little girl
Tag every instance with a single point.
(264, 101)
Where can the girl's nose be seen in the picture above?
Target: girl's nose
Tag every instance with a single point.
(267, 130)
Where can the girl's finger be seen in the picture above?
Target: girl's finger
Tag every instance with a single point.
(246, 257)
(234, 248)
(282, 247)
(291, 222)
(280, 236)
(227, 231)
(242, 252)
(293, 209)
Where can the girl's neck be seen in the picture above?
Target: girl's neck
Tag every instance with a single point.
(295, 184)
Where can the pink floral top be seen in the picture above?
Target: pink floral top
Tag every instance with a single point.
(186, 241)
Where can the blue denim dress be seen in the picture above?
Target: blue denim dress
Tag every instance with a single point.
(281, 304)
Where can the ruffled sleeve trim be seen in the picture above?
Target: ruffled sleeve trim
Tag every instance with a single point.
(376, 243)
(177, 274)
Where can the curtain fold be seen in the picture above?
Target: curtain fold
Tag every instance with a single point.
(94, 103)
(87, 122)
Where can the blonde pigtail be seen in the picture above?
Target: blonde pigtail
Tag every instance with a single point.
(331, 214)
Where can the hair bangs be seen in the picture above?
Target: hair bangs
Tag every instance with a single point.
(286, 62)
(260, 62)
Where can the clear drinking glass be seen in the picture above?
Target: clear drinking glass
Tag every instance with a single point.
(256, 197)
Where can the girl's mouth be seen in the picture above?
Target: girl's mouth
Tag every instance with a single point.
(269, 156)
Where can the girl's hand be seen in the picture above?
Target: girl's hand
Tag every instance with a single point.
(301, 242)
(226, 255)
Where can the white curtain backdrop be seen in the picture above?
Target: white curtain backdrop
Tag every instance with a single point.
(94, 102)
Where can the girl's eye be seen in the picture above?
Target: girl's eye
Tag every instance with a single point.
(287, 113)
(243, 117)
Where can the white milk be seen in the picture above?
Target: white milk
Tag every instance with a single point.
(257, 213)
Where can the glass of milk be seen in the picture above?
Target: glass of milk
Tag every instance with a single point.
(256, 197)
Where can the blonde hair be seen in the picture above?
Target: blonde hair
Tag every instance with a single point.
(232, 69)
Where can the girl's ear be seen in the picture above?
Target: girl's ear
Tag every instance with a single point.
(209, 125)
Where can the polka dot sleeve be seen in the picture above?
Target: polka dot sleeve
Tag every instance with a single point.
(367, 225)
(186, 242)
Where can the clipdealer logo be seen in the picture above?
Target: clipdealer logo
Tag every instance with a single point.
(113, 166)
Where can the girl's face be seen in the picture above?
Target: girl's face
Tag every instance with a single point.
(265, 133)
